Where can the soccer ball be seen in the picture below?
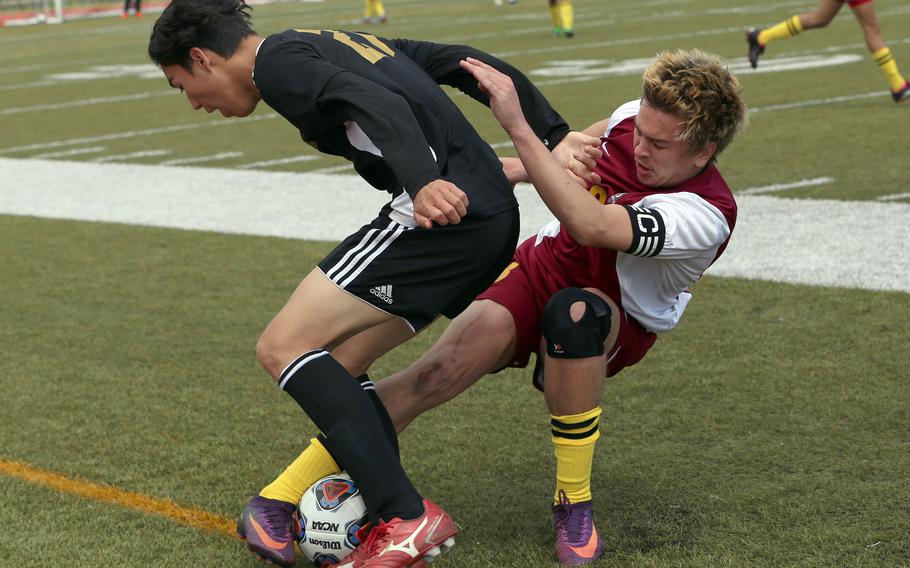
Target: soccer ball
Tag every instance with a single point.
(329, 516)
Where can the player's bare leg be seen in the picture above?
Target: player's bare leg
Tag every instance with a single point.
(758, 38)
(865, 15)
(480, 340)
(359, 352)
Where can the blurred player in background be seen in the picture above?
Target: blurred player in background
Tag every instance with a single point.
(137, 4)
(758, 38)
(591, 291)
(449, 229)
(562, 16)
(374, 12)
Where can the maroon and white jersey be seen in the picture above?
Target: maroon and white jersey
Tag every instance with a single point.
(681, 231)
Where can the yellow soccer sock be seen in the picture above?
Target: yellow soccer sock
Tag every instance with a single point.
(566, 14)
(554, 16)
(574, 438)
(379, 8)
(312, 465)
(783, 30)
(889, 68)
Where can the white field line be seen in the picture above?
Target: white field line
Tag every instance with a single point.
(894, 197)
(131, 156)
(20, 68)
(202, 159)
(820, 102)
(775, 187)
(813, 242)
(130, 134)
(758, 9)
(280, 161)
(333, 169)
(71, 153)
(850, 244)
(32, 85)
(85, 102)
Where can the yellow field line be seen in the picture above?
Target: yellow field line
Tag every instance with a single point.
(189, 516)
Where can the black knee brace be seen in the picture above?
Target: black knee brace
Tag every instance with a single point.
(567, 339)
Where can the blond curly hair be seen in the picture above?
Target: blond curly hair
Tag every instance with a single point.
(698, 88)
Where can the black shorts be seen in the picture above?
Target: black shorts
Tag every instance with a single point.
(418, 274)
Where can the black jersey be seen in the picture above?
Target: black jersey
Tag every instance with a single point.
(377, 103)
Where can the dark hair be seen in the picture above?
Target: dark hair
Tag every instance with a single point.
(218, 25)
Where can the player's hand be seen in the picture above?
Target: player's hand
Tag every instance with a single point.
(498, 86)
(439, 202)
(578, 153)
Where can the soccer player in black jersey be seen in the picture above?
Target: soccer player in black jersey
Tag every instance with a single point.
(449, 228)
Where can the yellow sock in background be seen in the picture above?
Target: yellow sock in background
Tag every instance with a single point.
(566, 14)
(783, 30)
(554, 16)
(312, 465)
(889, 68)
(574, 438)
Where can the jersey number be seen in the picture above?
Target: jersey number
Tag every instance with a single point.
(599, 193)
(512, 266)
(372, 53)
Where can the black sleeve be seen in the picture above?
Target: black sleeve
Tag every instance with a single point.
(440, 61)
(388, 121)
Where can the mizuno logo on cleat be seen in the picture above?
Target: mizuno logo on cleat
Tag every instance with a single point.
(384, 293)
(407, 545)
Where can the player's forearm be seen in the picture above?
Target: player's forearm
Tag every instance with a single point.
(515, 171)
(589, 222)
(572, 205)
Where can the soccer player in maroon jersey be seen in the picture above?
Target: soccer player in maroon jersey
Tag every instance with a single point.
(592, 290)
(758, 38)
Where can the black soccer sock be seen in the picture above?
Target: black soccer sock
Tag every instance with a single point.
(367, 385)
(354, 434)
(381, 411)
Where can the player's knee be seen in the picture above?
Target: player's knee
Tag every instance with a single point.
(267, 354)
(575, 324)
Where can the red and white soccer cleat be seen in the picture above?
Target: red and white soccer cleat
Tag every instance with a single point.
(400, 543)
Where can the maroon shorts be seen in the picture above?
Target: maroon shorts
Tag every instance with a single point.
(525, 297)
(855, 3)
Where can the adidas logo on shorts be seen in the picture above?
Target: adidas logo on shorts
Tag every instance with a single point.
(384, 293)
